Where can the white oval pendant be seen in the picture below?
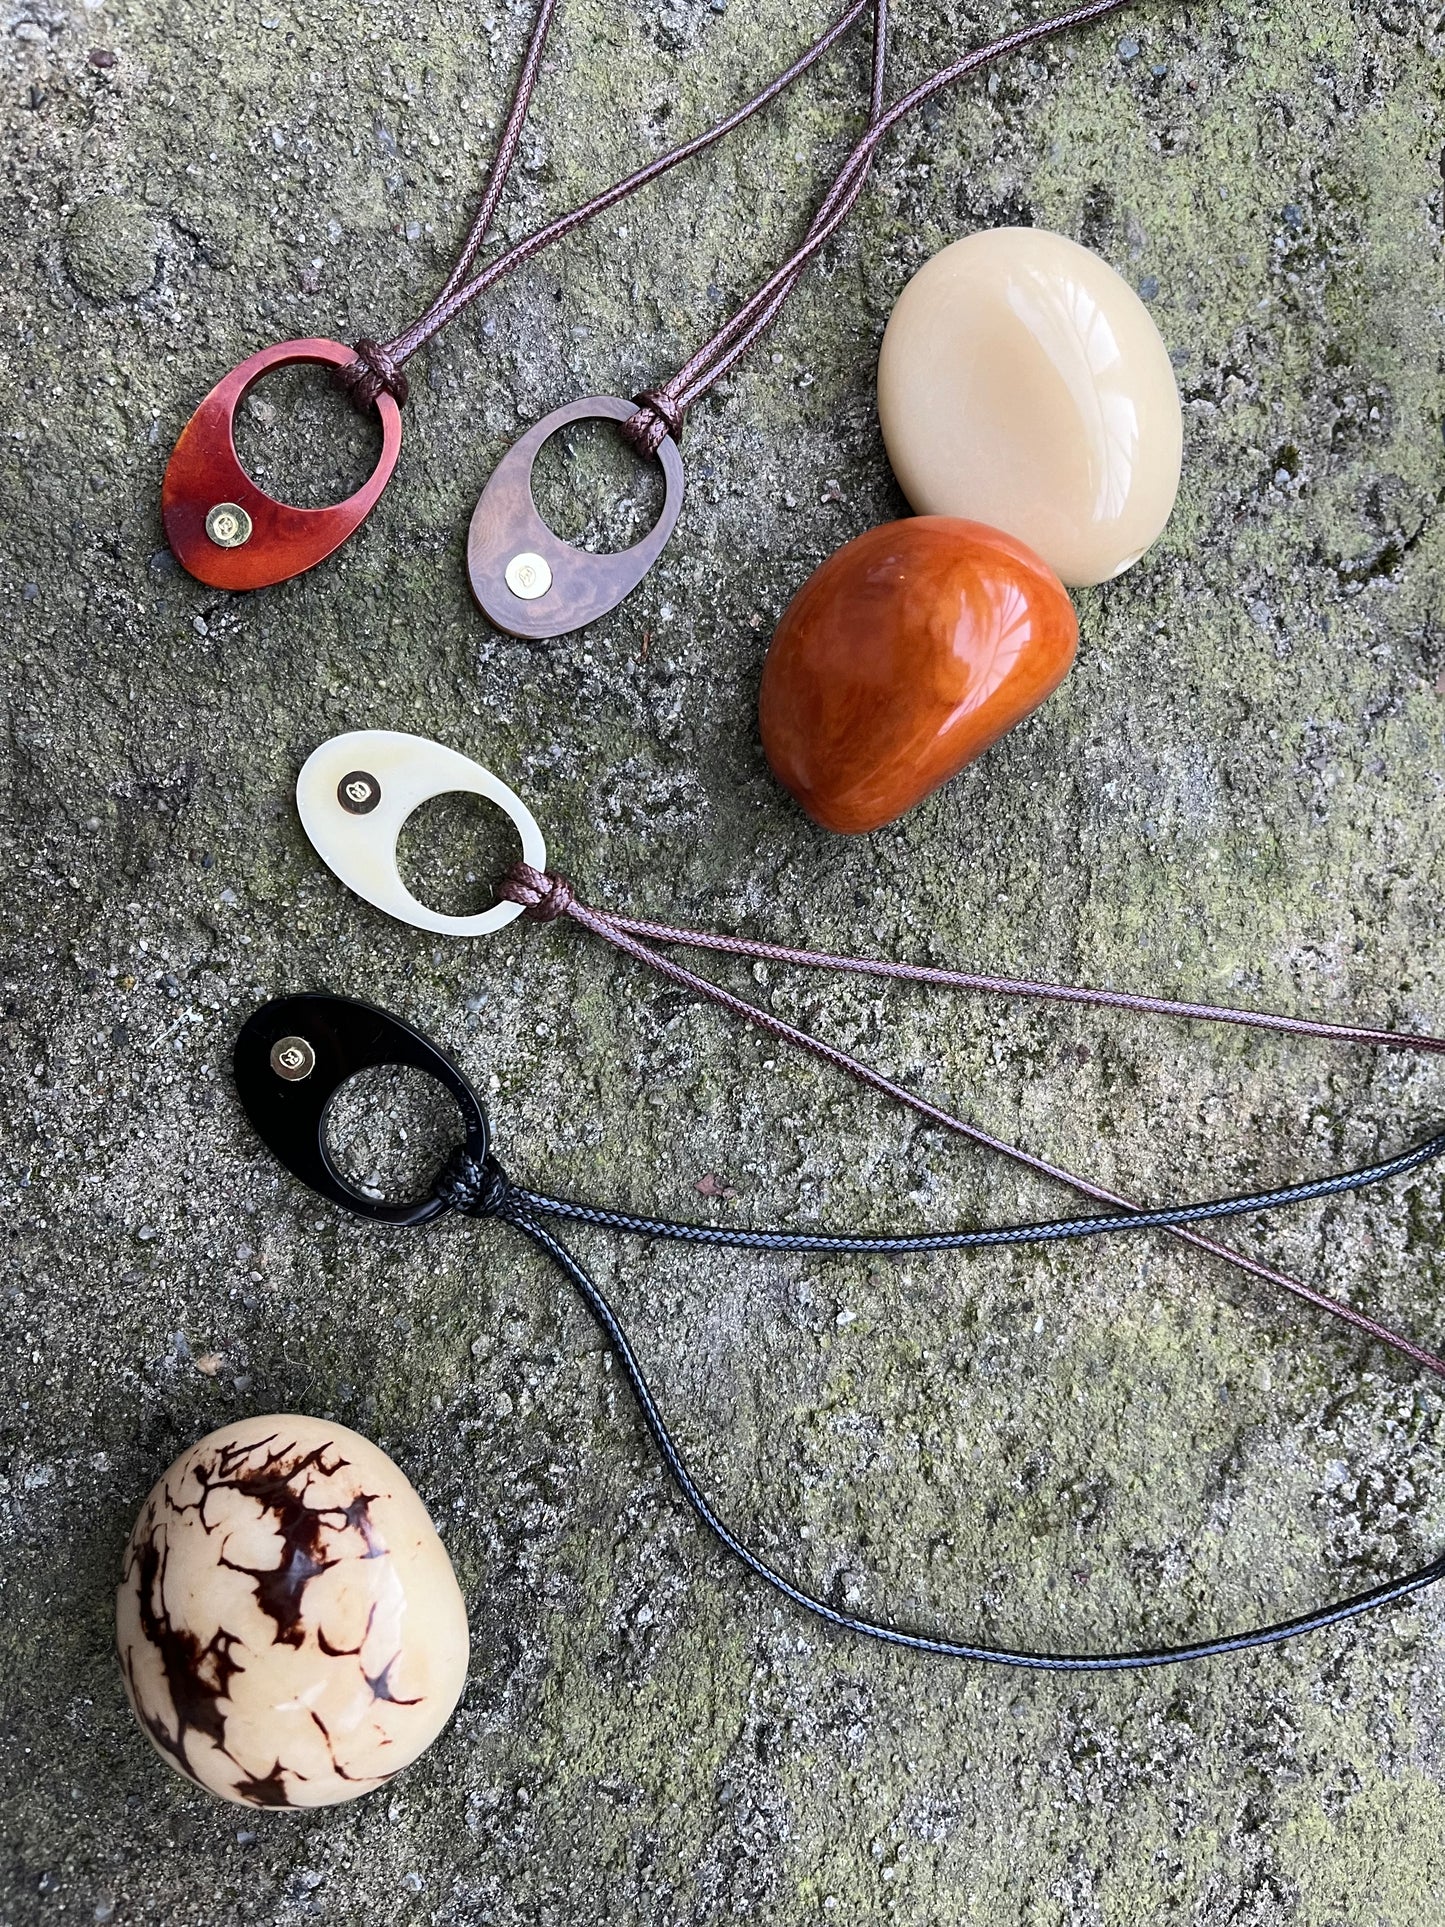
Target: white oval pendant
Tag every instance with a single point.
(356, 791)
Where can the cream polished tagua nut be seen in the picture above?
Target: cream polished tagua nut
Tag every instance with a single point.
(1023, 384)
(288, 1624)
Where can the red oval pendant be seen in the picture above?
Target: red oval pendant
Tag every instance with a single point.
(903, 657)
(224, 529)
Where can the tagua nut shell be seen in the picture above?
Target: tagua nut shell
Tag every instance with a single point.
(901, 659)
(289, 1627)
(1022, 383)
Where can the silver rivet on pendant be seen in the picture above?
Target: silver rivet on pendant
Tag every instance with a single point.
(228, 525)
(528, 576)
(292, 1058)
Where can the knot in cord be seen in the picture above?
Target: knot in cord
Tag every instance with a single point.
(478, 1186)
(657, 417)
(374, 372)
(543, 898)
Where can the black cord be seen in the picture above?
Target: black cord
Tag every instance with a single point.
(482, 1189)
(1049, 1231)
(512, 1211)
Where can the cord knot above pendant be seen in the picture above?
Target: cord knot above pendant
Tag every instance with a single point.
(477, 1186)
(543, 897)
(658, 417)
(373, 373)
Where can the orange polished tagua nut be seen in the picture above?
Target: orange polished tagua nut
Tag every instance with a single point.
(902, 659)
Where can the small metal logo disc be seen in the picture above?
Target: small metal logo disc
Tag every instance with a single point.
(293, 1059)
(528, 576)
(359, 793)
(228, 525)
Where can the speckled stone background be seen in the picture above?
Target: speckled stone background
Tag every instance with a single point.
(1237, 795)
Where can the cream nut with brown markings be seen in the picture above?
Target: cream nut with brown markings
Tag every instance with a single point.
(289, 1625)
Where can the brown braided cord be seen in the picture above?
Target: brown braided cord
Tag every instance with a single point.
(544, 898)
(1024, 987)
(379, 367)
(506, 150)
(458, 293)
(662, 409)
(373, 373)
(716, 356)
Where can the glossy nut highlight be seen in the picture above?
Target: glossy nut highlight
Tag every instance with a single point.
(289, 1626)
(902, 659)
(1022, 383)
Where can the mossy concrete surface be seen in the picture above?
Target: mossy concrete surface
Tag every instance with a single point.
(1237, 795)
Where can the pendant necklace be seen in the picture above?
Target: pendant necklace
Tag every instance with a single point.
(228, 532)
(565, 588)
(294, 1054)
(353, 795)
(289, 1626)
(232, 535)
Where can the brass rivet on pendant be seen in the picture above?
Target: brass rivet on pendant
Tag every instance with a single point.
(528, 576)
(292, 1058)
(228, 525)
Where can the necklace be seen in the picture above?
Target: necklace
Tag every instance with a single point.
(294, 1054)
(355, 792)
(228, 532)
(565, 588)
(232, 535)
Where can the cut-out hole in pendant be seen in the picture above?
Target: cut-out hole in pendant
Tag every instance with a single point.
(451, 850)
(594, 490)
(389, 1131)
(302, 441)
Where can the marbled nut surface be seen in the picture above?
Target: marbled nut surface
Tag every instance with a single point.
(902, 658)
(1023, 383)
(288, 1624)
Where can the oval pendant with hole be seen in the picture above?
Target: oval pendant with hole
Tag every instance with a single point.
(356, 791)
(222, 528)
(530, 582)
(334, 1038)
